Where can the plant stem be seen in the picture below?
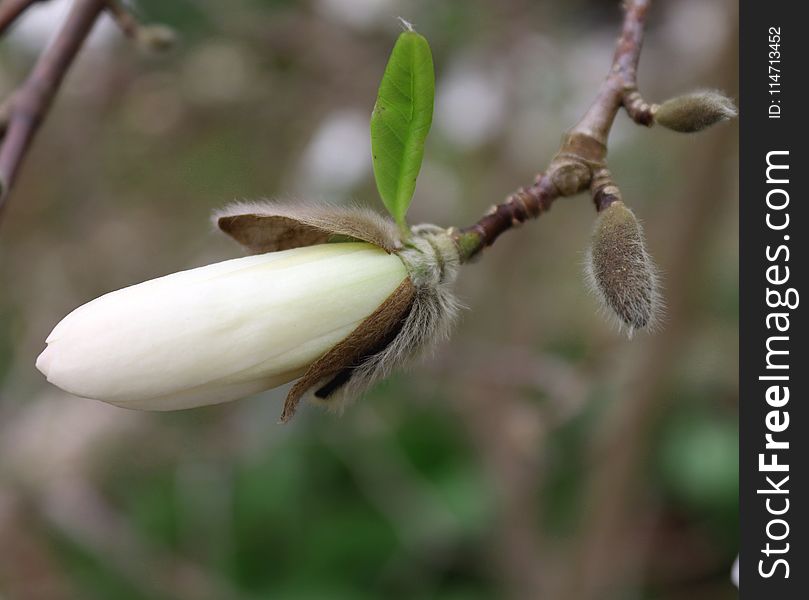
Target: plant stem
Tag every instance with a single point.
(29, 104)
(584, 150)
(10, 10)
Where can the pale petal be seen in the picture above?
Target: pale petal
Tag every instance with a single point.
(218, 332)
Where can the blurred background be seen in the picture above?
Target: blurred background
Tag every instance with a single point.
(540, 454)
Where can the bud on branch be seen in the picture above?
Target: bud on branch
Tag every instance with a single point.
(619, 270)
(695, 111)
(339, 315)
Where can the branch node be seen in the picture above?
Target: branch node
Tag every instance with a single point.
(638, 109)
(581, 160)
(152, 38)
(570, 175)
(604, 190)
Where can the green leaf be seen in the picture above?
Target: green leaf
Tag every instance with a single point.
(401, 121)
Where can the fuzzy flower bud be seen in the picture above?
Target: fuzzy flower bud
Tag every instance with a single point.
(620, 271)
(695, 111)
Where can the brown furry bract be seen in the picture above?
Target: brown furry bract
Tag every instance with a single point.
(335, 368)
(417, 315)
(272, 226)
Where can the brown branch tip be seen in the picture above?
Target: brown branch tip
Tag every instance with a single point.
(580, 163)
(24, 110)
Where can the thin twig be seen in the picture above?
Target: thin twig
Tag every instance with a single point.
(30, 103)
(603, 548)
(583, 151)
(622, 78)
(125, 20)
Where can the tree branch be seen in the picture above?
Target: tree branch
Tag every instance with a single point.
(612, 485)
(125, 20)
(30, 103)
(10, 10)
(582, 154)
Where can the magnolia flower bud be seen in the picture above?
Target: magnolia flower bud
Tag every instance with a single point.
(337, 315)
(620, 271)
(695, 111)
(218, 332)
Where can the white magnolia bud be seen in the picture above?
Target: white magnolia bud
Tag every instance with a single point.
(220, 332)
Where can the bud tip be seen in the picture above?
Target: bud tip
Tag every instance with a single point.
(406, 25)
(44, 361)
